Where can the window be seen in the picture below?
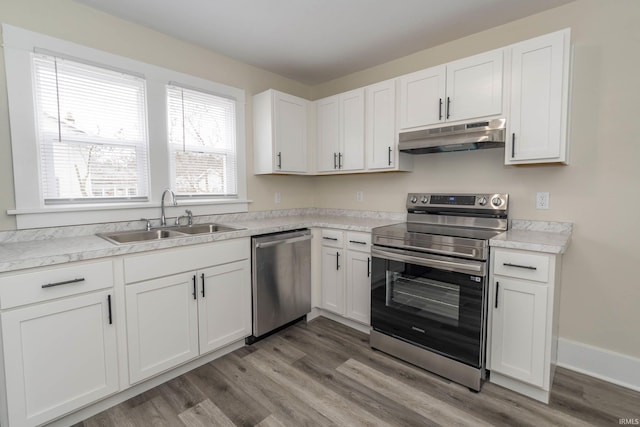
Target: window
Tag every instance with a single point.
(202, 143)
(92, 132)
(96, 137)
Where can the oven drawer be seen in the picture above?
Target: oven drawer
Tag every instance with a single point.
(522, 265)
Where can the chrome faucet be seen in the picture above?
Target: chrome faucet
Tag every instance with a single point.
(163, 219)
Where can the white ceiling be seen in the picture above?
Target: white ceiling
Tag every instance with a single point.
(314, 41)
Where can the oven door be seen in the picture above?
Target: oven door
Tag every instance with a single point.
(433, 301)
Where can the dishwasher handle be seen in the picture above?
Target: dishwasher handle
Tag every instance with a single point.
(261, 245)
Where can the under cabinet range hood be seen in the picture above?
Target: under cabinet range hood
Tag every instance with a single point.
(469, 136)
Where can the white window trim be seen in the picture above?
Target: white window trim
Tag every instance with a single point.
(30, 212)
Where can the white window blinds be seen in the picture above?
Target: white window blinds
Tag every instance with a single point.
(92, 132)
(202, 143)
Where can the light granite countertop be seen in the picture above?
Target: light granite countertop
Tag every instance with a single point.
(538, 236)
(43, 247)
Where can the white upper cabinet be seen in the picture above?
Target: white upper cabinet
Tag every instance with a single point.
(461, 90)
(380, 125)
(328, 133)
(537, 125)
(279, 133)
(422, 97)
(340, 133)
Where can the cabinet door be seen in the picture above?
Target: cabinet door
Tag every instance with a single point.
(351, 155)
(380, 120)
(358, 286)
(328, 114)
(333, 279)
(58, 356)
(538, 91)
(224, 307)
(422, 95)
(162, 324)
(474, 87)
(290, 128)
(519, 330)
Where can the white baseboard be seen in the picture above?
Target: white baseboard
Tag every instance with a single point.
(603, 364)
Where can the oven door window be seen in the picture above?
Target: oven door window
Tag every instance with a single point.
(424, 297)
(437, 309)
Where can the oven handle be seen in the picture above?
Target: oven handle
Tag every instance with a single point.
(403, 256)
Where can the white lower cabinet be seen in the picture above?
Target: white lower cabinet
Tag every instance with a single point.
(346, 271)
(62, 326)
(162, 325)
(358, 304)
(176, 318)
(523, 327)
(60, 353)
(519, 329)
(333, 297)
(224, 305)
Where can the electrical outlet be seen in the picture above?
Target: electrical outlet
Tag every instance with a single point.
(359, 196)
(542, 200)
(278, 198)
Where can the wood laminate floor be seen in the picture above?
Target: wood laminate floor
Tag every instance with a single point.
(324, 374)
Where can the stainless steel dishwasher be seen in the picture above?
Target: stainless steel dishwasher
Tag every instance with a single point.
(281, 280)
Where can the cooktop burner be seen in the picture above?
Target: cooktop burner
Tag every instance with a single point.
(455, 224)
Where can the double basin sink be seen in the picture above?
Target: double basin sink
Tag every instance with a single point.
(123, 237)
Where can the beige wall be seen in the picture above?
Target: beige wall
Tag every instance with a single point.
(600, 292)
(600, 300)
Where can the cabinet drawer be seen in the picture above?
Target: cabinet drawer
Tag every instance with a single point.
(523, 265)
(55, 282)
(333, 238)
(359, 241)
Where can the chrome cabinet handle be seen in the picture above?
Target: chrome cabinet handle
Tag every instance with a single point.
(389, 156)
(64, 282)
(440, 109)
(279, 155)
(339, 160)
(448, 107)
(528, 267)
(513, 145)
(337, 260)
(335, 160)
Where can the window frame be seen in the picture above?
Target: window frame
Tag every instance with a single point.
(30, 211)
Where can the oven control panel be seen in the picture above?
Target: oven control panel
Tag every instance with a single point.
(457, 202)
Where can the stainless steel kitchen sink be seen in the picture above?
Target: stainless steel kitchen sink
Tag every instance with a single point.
(204, 228)
(123, 237)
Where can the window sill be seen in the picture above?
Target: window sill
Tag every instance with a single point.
(53, 216)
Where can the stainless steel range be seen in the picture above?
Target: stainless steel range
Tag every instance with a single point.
(429, 283)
